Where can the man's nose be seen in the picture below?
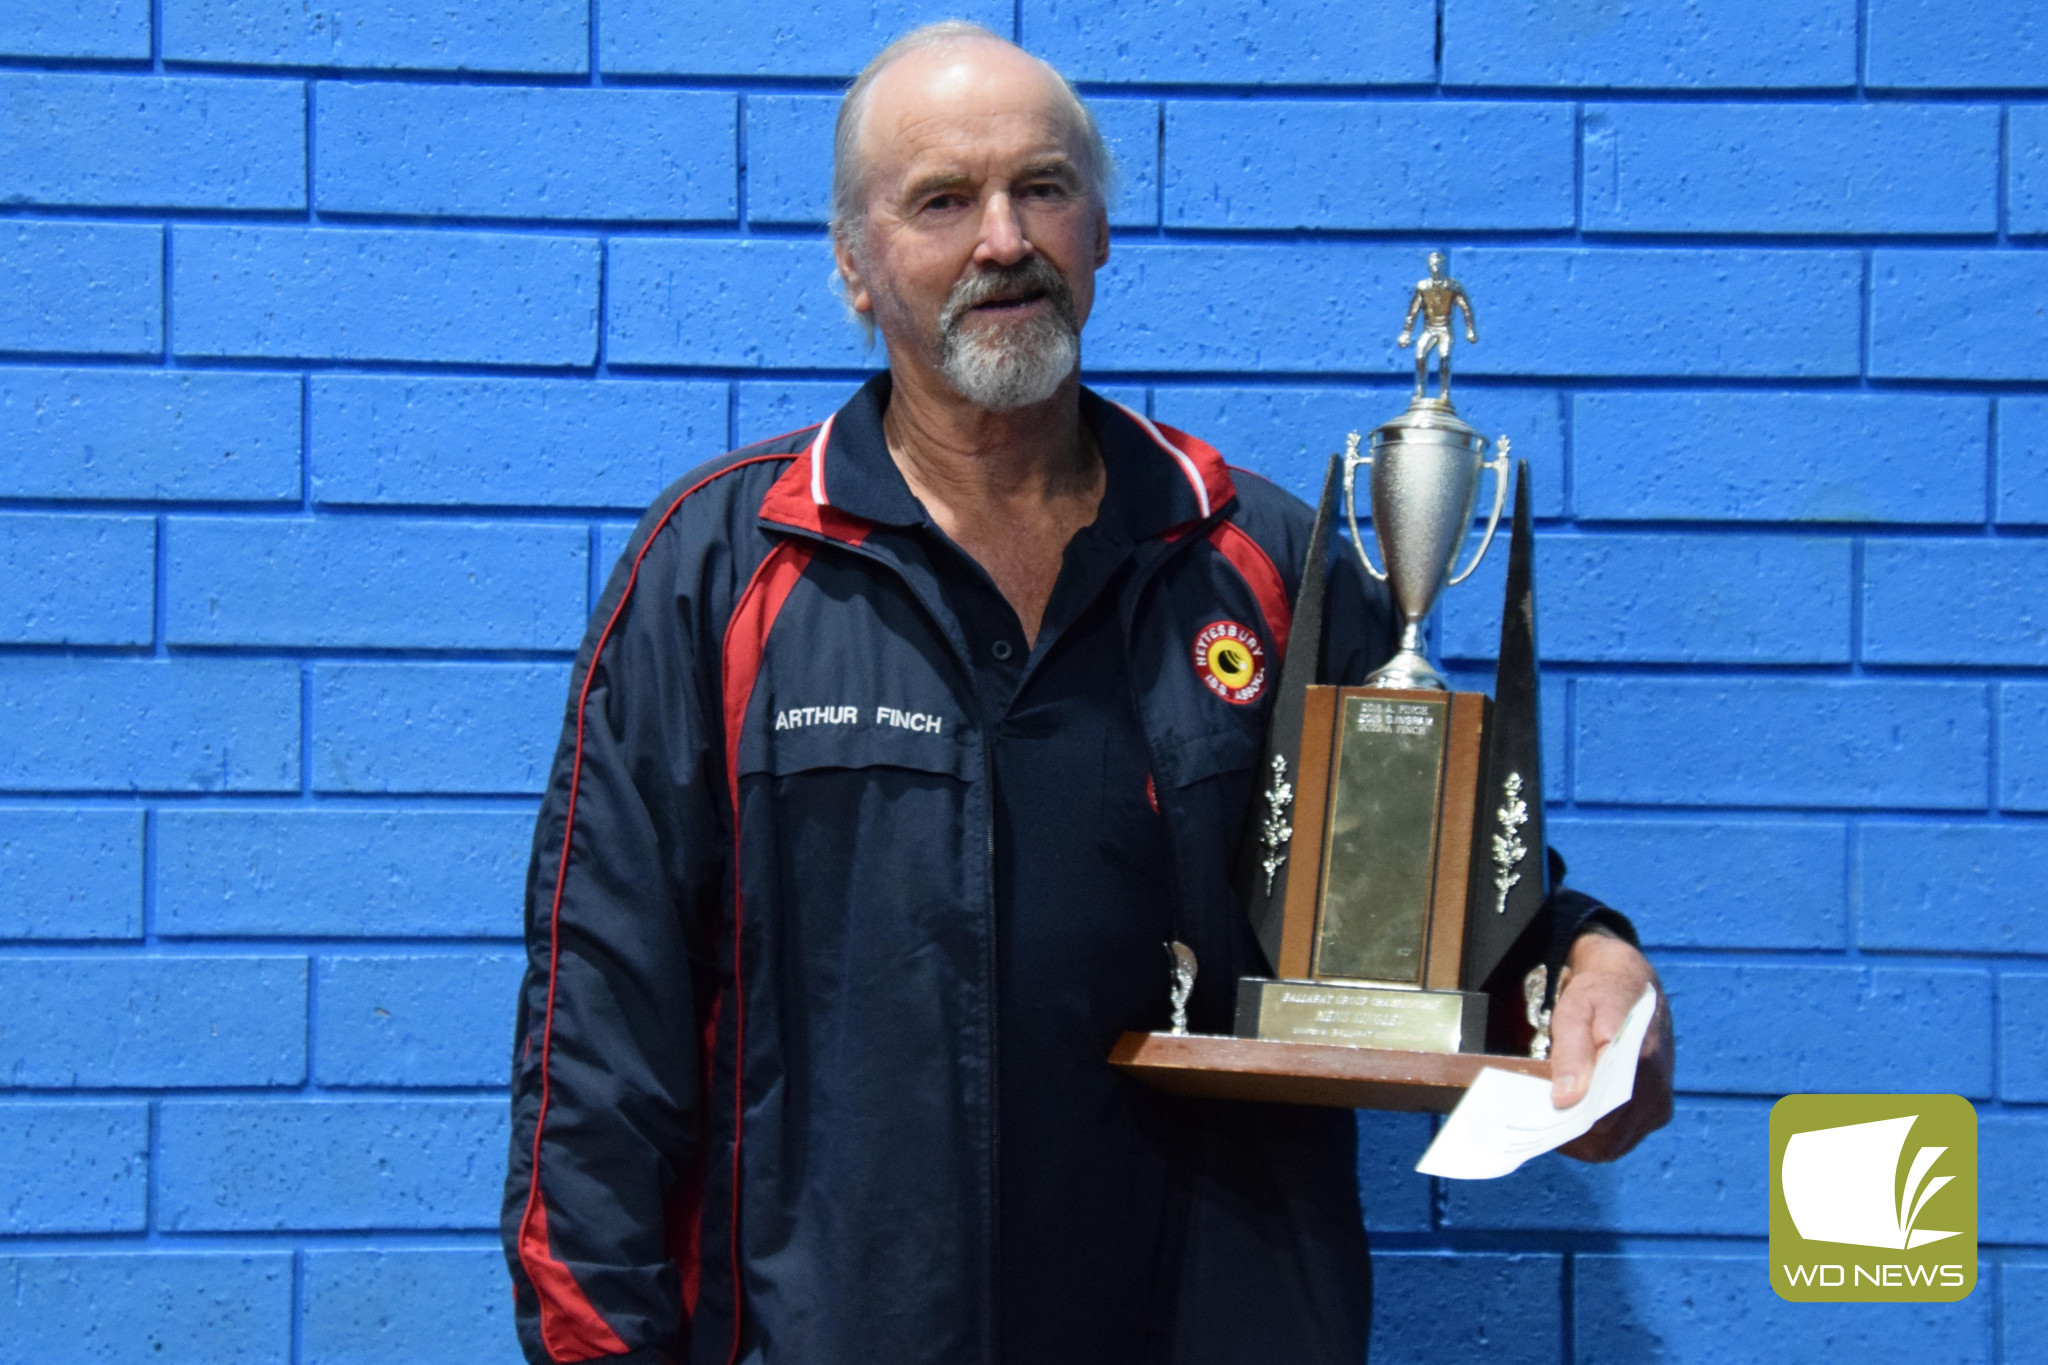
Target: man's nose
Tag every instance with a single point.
(1002, 233)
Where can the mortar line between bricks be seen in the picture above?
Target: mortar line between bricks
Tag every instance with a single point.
(151, 855)
(828, 85)
(594, 76)
(1567, 1307)
(742, 210)
(153, 1159)
(312, 213)
(298, 1306)
(1994, 733)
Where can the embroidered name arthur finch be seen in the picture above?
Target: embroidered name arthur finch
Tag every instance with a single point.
(922, 722)
(797, 717)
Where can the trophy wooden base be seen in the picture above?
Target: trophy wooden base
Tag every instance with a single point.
(1218, 1067)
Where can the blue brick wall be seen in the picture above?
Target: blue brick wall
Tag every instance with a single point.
(339, 344)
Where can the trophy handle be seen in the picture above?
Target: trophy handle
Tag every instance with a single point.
(1352, 460)
(1499, 465)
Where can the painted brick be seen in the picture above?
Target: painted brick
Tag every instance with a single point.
(1922, 43)
(1131, 128)
(2022, 496)
(117, 1308)
(541, 36)
(385, 1306)
(1779, 457)
(1289, 434)
(1958, 315)
(1798, 168)
(1396, 1199)
(2023, 746)
(152, 1021)
(1727, 883)
(2012, 1177)
(256, 1165)
(756, 303)
(507, 442)
(502, 152)
(2022, 1024)
(1230, 42)
(328, 873)
(341, 294)
(384, 583)
(1955, 602)
(789, 158)
(81, 288)
(1434, 1308)
(612, 539)
(2026, 186)
(1781, 742)
(1654, 311)
(73, 1168)
(149, 142)
(2024, 1298)
(1303, 307)
(105, 29)
(824, 38)
(1693, 1308)
(436, 727)
(129, 434)
(70, 873)
(1553, 717)
(444, 1020)
(1592, 44)
(1703, 1173)
(73, 580)
(1776, 1029)
(763, 408)
(1330, 305)
(1410, 164)
(1666, 599)
(1953, 888)
(173, 725)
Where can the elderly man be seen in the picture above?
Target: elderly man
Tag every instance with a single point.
(885, 775)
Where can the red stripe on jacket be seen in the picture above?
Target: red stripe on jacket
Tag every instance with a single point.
(570, 1326)
(1256, 567)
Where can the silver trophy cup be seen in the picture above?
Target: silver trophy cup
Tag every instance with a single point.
(1425, 484)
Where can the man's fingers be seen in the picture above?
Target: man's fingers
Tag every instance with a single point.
(1572, 1046)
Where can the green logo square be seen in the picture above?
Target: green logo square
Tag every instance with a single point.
(1873, 1198)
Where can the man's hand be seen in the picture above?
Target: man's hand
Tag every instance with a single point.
(1471, 336)
(1602, 977)
(1403, 340)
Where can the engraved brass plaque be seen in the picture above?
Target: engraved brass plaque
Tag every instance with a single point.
(1373, 923)
(1360, 1016)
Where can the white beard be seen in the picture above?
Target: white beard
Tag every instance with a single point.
(1003, 368)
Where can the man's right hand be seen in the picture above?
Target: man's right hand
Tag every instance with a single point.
(1402, 340)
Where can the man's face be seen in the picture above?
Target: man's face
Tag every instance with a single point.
(1436, 265)
(982, 235)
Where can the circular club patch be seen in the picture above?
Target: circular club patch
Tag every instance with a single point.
(1230, 660)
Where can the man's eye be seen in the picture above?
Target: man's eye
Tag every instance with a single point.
(945, 201)
(1045, 190)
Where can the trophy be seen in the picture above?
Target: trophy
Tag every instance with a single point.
(1395, 857)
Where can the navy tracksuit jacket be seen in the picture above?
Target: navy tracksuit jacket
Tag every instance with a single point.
(792, 842)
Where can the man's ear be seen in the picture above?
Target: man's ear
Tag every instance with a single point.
(857, 296)
(1101, 234)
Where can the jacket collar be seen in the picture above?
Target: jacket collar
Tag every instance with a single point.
(843, 483)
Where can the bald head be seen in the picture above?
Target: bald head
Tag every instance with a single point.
(951, 70)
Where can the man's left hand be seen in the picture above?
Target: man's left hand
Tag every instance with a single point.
(1603, 976)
